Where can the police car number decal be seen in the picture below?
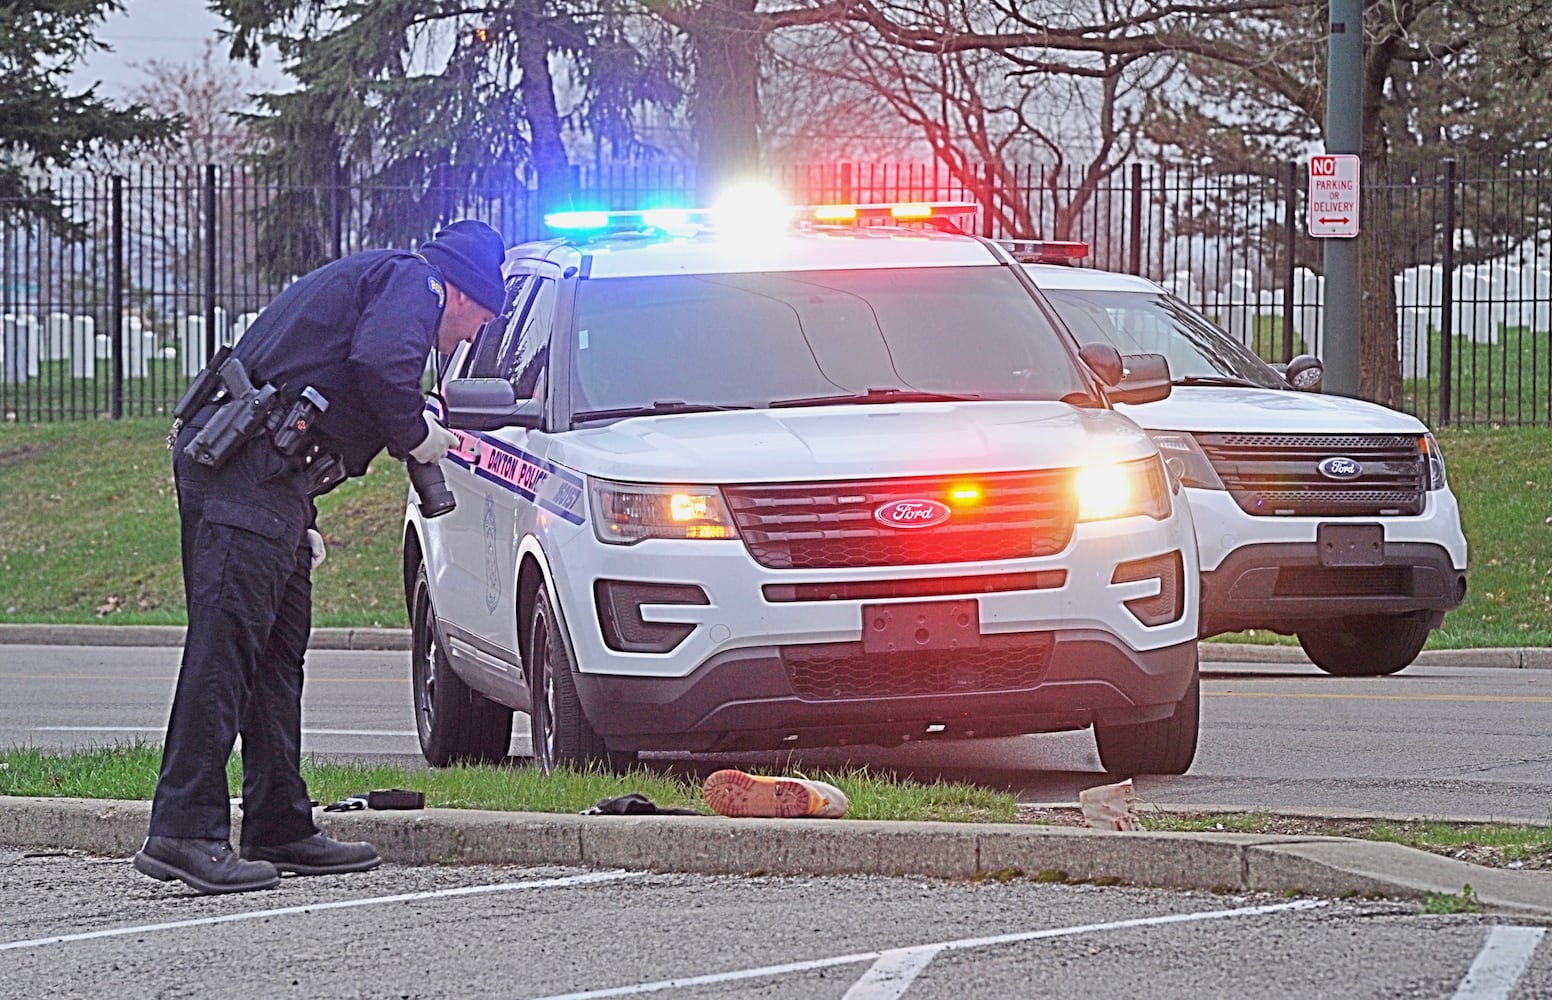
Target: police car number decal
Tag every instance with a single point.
(546, 484)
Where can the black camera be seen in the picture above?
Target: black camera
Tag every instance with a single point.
(431, 493)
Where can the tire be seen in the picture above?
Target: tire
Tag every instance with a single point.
(1368, 646)
(455, 723)
(1165, 746)
(562, 736)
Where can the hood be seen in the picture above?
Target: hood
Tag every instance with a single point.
(850, 442)
(1227, 409)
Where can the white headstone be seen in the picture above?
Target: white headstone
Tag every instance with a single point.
(33, 336)
(240, 326)
(59, 325)
(1412, 336)
(14, 350)
(191, 344)
(83, 354)
(1538, 294)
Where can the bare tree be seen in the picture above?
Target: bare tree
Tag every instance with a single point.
(983, 113)
(210, 94)
(1273, 48)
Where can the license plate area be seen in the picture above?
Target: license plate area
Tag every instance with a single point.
(921, 626)
(1351, 544)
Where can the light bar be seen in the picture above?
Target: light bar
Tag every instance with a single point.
(577, 220)
(1046, 251)
(636, 220)
(905, 211)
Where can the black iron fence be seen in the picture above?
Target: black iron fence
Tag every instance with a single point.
(111, 305)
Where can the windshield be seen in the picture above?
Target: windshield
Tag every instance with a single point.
(808, 337)
(1159, 323)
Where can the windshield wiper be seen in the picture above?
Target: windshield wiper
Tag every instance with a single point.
(656, 407)
(1216, 380)
(884, 395)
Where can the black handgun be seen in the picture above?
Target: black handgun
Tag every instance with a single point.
(242, 416)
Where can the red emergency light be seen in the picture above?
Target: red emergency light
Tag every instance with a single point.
(901, 211)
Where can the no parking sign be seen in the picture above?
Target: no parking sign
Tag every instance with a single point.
(1333, 195)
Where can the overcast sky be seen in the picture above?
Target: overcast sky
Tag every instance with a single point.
(173, 31)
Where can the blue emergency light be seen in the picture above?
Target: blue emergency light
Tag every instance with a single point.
(599, 222)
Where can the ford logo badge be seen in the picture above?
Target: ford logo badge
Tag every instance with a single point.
(1339, 467)
(912, 513)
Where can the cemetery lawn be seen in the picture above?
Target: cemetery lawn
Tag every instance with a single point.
(89, 533)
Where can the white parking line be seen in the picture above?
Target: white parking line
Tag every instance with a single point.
(892, 973)
(898, 961)
(1500, 963)
(470, 890)
(162, 729)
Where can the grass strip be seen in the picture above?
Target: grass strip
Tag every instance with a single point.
(128, 771)
(89, 534)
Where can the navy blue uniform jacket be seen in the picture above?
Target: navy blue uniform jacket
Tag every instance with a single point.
(358, 331)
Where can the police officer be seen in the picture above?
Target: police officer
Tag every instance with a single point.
(358, 332)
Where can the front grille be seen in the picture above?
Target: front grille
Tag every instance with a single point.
(834, 670)
(831, 524)
(1343, 581)
(1278, 475)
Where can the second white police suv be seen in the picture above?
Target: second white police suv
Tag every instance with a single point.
(1318, 516)
(777, 479)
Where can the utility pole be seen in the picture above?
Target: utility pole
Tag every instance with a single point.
(1344, 134)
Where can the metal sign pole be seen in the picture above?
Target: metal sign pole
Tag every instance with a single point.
(1344, 134)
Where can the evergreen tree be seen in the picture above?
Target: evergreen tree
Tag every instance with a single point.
(416, 99)
(42, 124)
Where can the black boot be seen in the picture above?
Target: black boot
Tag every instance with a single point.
(315, 855)
(207, 865)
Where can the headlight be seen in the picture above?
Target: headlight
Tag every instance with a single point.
(626, 513)
(1123, 489)
(1435, 462)
(1186, 459)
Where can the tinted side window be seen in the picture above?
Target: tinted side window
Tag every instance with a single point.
(496, 340)
(524, 367)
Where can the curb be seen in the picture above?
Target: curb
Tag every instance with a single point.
(398, 639)
(713, 845)
(172, 635)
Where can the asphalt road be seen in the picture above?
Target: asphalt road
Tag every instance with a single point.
(94, 927)
(1431, 741)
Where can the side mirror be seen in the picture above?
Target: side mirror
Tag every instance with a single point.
(486, 404)
(1144, 379)
(1306, 373)
(1135, 378)
(1105, 361)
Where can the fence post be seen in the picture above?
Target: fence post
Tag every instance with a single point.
(1290, 233)
(210, 261)
(986, 223)
(1447, 294)
(1136, 221)
(116, 296)
(336, 208)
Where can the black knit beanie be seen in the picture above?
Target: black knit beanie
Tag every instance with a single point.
(469, 255)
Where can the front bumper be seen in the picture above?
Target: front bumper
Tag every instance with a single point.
(750, 698)
(1284, 587)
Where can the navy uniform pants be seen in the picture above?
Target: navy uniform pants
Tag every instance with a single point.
(247, 579)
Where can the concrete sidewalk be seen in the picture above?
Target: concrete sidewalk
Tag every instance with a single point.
(712, 845)
(394, 639)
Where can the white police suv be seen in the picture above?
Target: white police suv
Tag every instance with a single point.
(758, 483)
(1325, 517)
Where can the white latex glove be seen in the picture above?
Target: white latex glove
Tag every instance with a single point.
(315, 541)
(439, 441)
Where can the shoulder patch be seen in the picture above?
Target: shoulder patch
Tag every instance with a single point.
(436, 288)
